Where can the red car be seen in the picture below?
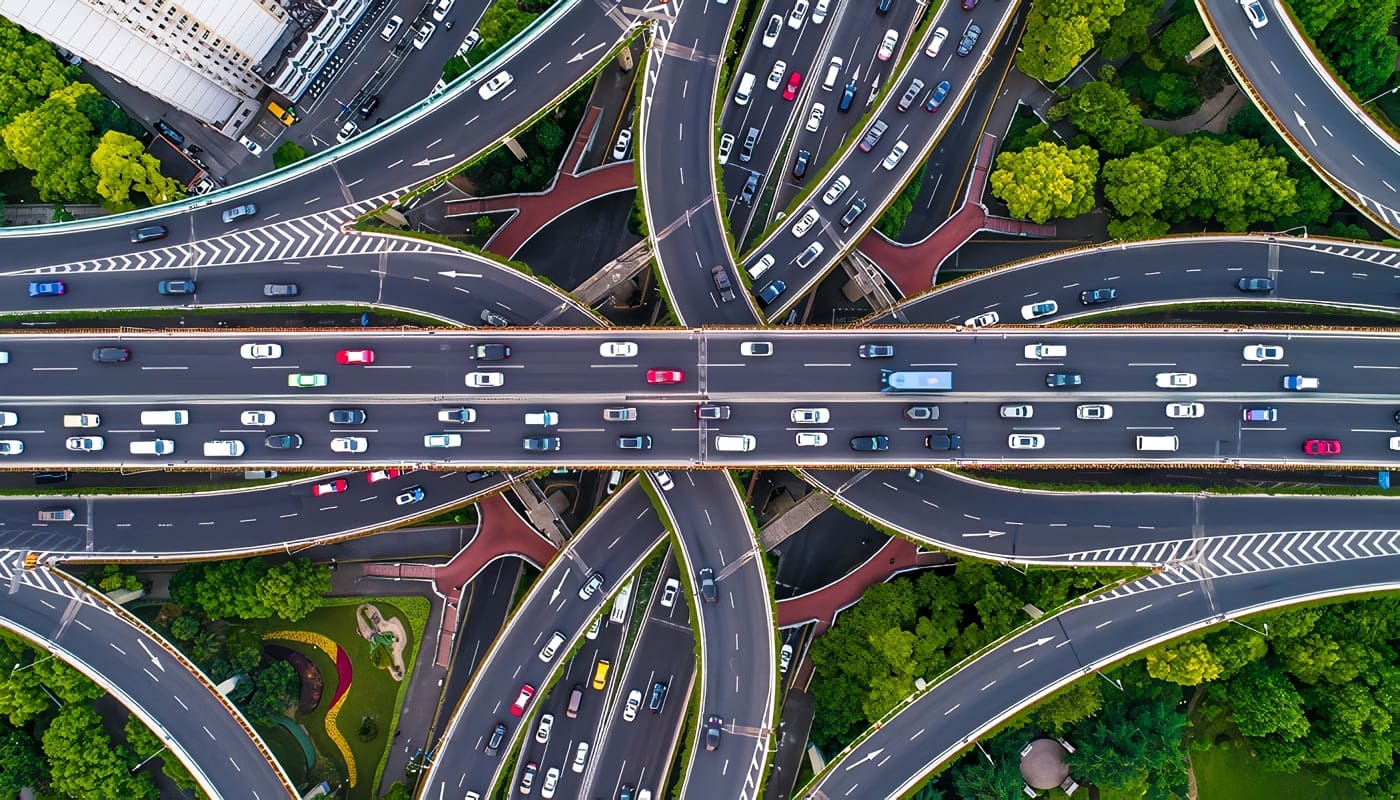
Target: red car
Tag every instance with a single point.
(527, 691)
(383, 475)
(1322, 447)
(329, 487)
(665, 376)
(794, 81)
(355, 357)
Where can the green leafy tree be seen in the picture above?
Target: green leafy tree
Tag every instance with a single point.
(397, 791)
(251, 589)
(60, 214)
(84, 763)
(1263, 702)
(1097, 13)
(1127, 32)
(288, 152)
(1182, 35)
(113, 577)
(21, 762)
(294, 589)
(55, 141)
(1052, 46)
(1360, 47)
(549, 136)
(1136, 740)
(106, 115)
(1176, 96)
(1186, 663)
(1106, 113)
(277, 689)
(123, 166)
(144, 744)
(1316, 15)
(1071, 705)
(243, 648)
(455, 68)
(1045, 181)
(483, 227)
(184, 628)
(29, 73)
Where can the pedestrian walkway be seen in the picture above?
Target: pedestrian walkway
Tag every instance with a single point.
(501, 532)
(914, 267)
(1213, 115)
(568, 191)
(822, 605)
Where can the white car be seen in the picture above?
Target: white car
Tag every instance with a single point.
(485, 380)
(349, 444)
(1176, 380)
(85, 444)
(798, 14)
(11, 447)
(837, 188)
(810, 416)
(542, 730)
(1039, 351)
(581, 757)
(618, 349)
(887, 45)
(983, 320)
(1186, 410)
(473, 39)
(459, 415)
(819, 11)
(784, 658)
(258, 419)
(814, 119)
(939, 36)
(1037, 310)
(811, 439)
(551, 783)
(634, 702)
(441, 9)
(259, 351)
(663, 479)
(8, 419)
(624, 142)
(1395, 443)
(1254, 10)
(804, 223)
(669, 592)
(770, 33)
(1263, 352)
(775, 78)
(425, 32)
(1019, 411)
(495, 86)
(726, 144)
(756, 349)
(896, 153)
(391, 27)
(1025, 441)
(1094, 411)
(442, 440)
(346, 131)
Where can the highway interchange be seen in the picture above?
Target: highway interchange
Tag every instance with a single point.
(301, 236)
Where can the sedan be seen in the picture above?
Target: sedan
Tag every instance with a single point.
(1186, 410)
(409, 496)
(1094, 411)
(1025, 441)
(238, 212)
(495, 86)
(354, 357)
(306, 380)
(935, 98)
(391, 28)
(542, 735)
(111, 355)
(810, 416)
(969, 39)
(383, 475)
(1093, 297)
(1020, 411)
(775, 77)
(425, 32)
(346, 416)
(1255, 284)
(814, 119)
(896, 154)
(1061, 380)
(346, 132)
(943, 441)
(1176, 380)
(485, 380)
(442, 440)
(875, 351)
(618, 349)
(349, 444)
(258, 419)
(522, 700)
(665, 376)
(260, 351)
(708, 591)
(329, 487)
(939, 36)
(1254, 11)
(804, 223)
(551, 783)
(770, 33)
(622, 145)
(47, 288)
(1263, 352)
(714, 725)
(8, 419)
(811, 439)
(1038, 310)
(668, 595)
(283, 441)
(887, 45)
(726, 144)
(1322, 447)
(85, 444)
(756, 349)
(634, 702)
(868, 444)
(590, 586)
(462, 415)
(911, 94)
(794, 82)
(921, 413)
(11, 447)
(983, 320)
(642, 442)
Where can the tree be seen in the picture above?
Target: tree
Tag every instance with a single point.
(106, 115)
(277, 689)
(1360, 47)
(549, 136)
(1182, 35)
(1073, 704)
(1052, 46)
(1098, 14)
(21, 763)
(1186, 663)
(184, 628)
(1263, 702)
(251, 589)
(1176, 96)
(1048, 180)
(294, 589)
(243, 648)
(144, 744)
(397, 791)
(483, 227)
(288, 152)
(1104, 112)
(1136, 739)
(29, 72)
(55, 141)
(1127, 32)
(123, 165)
(84, 762)
(113, 577)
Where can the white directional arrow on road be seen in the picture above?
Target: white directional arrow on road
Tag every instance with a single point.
(1037, 643)
(872, 756)
(554, 595)
(153, 659)
(580, 56)
(425, 162)
(452, 273)
(987, 535)
(1304, 125)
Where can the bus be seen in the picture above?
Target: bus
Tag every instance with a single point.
(915, 381)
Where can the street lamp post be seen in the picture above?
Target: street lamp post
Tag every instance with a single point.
(1391, 90)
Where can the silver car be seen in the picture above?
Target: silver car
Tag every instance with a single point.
(238, 212)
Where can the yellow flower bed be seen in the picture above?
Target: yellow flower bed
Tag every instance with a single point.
(330, 648)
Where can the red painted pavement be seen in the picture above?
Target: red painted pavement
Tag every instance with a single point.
(823, 604)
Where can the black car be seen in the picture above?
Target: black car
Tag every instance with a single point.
(150, 233)
(490, 352)
(347, 416)
(171, 134)
(368, 106)
(722, 284)
(283, 441)
(712, 412)
(1092, 297)
(969, 39)
(943, 441)
(473, 477)
(41, 478)
(714, 725)
(708, 592)
(1255, 284)
(111, 355)
(799, 166)
(869, 444)
(876, 351)
(1059, 380)
(853, 213)
(498, 735)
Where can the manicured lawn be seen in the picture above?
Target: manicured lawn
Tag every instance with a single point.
(1227, 773)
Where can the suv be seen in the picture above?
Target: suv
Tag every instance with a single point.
(721, 279)
(872, 136)
(870, 444)
(657, 698)
(175, 287)
(943, 441)
(368, 106)
(712, 412)
(771, 292)
(281, 290)
(853, 213)
(708, 592)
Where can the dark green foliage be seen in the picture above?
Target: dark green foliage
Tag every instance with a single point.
(21, 762)
(85, 764)
(1106, 114)
(1176, 96)
(144, 744)
(108, 116)
(483, 227)
(896, 214)
(251, 589)
(369, 729)
(1137, 740)
(112, 577)
(289, 152)
(1357, 41)
(636, 218)
(1026, 136)
(1127, 32)
(498, 172)
(60, 213)
(276, 690)
(184, 628)
(398, 792)
(1182, 34)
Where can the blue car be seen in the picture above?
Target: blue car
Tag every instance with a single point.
(47, 288)
(936, 99)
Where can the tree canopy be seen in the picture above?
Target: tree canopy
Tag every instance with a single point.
(84, 763)
(252, 588)
(1047, 180)
(122, 165)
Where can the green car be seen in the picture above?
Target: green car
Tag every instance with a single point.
(303, 380)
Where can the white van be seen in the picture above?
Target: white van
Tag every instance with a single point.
(81, 420)
(223, 448)
(157, 447)
(833, 73)
(741, 443)
(741, 97)
(177, 416)
(1159, 443)
(622, 603)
